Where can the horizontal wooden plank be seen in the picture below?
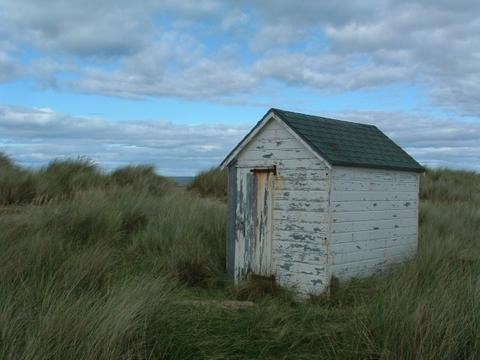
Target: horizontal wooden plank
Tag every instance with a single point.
(275, 154)
(373, 225)
(296, 267)
(311, 257)
(287, 205)
(357, 256)
(373, 195)
(304, 173)
(372, 235)
(376, 256)
(352, 174)
(356, 246)
(348, 185)
(351, 216)
(282, 184)
(275, 134)
(405, 240)
(309, 227)
(286, 247)
(271, 144)
(371, 244)
(299, 195)
(355, 264)
(288, 163)
(344, 206)
(296, 216)
(300, 236)
(358, 269)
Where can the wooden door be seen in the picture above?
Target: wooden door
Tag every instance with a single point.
(262, 252)
(254, 222)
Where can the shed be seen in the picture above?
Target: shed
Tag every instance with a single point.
(311, 198)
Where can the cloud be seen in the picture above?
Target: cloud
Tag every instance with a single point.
(99, 29)
(36, 136)
(329, 72)
(273, 35)
(122, 48)
(9, 69)
(175, 65)
(86, 28)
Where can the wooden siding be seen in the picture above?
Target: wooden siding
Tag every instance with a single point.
(374, 220)
(300, 209)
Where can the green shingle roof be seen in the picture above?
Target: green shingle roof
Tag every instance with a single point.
(349, 144)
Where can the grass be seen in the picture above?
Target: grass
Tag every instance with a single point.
(211, 182)
(97, 265)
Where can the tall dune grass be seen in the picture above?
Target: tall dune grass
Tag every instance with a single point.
(102, 267)
(212, 182)
(17, 186)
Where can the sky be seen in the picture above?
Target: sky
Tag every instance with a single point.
(177, 84)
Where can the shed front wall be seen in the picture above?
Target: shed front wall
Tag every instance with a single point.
(374, 220)
(300, 223)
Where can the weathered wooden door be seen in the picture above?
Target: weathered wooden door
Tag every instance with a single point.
(254, 213)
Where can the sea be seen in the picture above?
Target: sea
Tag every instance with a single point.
(182, 180)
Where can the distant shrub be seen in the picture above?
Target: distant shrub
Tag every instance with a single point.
(211, 182)
(63, 178)
(141, 178)
(6, 162)
(17, 186)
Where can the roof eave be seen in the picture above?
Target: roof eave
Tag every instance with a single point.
(419, 169)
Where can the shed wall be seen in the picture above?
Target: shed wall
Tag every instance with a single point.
(300, 208)
(374, 220)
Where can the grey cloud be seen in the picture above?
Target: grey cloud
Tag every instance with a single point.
(273, 35)
(314, 12)
(106, 28)
(9, 69)
(329, 72)
(35, 136)
(98, 29)
(175, 65)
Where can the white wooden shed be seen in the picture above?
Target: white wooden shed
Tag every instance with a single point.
(312, 198)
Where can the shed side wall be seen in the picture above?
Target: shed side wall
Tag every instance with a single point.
(300, 209)
(374, 220)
